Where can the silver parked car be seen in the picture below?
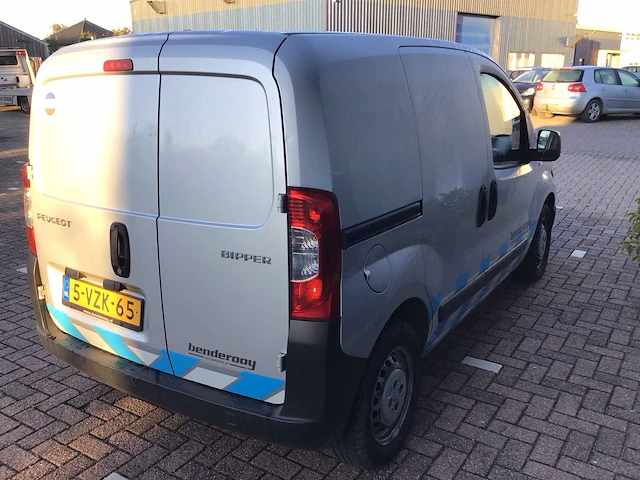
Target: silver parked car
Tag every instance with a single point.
(276, 256)
(589, 92)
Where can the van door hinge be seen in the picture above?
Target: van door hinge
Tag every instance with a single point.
(282, 362)
(283, 202)
(41, 292)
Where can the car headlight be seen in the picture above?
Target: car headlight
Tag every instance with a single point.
(528, 91)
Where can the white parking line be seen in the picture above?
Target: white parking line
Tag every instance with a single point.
(483, 364)
(115, 476)
(578, 253)
(22, 270)
(13, 188)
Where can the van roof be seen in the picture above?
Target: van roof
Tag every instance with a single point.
(400, 41)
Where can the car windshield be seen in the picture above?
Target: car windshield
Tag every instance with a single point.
(526, 77)
(562, 76)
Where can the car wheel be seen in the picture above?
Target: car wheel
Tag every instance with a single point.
(384, 408)
(24, 104)
(535, 262)
(593, 112)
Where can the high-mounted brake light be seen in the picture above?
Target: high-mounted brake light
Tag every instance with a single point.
(316, 256)
(540, 86)
(26, 200)
(577, 87)
(119, 65)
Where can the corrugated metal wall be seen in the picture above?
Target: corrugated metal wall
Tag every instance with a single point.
(245, 14)
(13, 38)
(527, 26)
(539, 26)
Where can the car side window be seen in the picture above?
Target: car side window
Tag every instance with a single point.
(507, 125)
(628, 80)
(606, 77)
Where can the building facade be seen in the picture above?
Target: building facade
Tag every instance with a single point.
(517, 33)
(610, 48)
(11, 37)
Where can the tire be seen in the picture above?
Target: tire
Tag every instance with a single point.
(25, 106)
(535, 262)
(375, 433)
(593, 112)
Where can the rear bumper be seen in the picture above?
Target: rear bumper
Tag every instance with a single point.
(321, 383)
(561, 106)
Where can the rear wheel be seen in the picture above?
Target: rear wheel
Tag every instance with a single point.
(593, 112)
(534, 264)
(24, 104)
(386, 401)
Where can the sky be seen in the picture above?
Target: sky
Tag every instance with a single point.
(36, 16)
(621, 15)
(36, 19)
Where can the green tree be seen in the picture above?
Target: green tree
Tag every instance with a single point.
(55, 28)
(122, 31)
(631, 244)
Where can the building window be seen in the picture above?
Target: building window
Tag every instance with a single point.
(475, 31)
(552, 60)
(521, 60)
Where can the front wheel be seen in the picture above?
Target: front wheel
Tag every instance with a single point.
(593, 112)
(386, 401)
(25, 106)
(534, 264)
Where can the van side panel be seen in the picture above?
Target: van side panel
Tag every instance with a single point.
(349, 129)
(349, 123)
(453, 149)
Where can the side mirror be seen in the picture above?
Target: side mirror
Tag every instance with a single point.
(549, 146)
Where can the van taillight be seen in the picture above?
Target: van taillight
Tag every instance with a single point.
(26, 199)
(577, 87)
(540, 86)
(119, 65)
(315, 256)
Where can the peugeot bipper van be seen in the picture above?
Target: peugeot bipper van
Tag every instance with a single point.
(267, 231)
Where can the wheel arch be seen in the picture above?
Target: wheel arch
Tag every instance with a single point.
(414, 312)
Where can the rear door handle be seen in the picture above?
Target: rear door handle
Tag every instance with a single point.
(493, 200)
(481, 215)
(120, 250)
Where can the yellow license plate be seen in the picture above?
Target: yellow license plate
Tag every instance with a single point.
(114, 307)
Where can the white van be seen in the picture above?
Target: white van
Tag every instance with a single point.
(16, 78)
(267, 230)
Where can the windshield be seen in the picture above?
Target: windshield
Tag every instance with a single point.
(562, 76)
(526, 77)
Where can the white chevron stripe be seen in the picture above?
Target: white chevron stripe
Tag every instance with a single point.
(94, 339)
(277, 399)
(210, 378)
(147, 357)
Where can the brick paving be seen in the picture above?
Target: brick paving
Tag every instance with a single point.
(565, 405)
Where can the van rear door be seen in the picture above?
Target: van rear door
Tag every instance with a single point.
(223, 240)
(93, 149)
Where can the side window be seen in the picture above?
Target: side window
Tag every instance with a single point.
(506, 122)
(606, 77)
(627, 79)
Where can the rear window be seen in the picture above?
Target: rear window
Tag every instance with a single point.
(562, 76)
(8, 60)
(526, 77)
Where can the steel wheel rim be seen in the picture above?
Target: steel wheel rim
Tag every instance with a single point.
(392, 394)
(542, 242)
(594, 111)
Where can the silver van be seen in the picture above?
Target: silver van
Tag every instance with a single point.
(267, 231)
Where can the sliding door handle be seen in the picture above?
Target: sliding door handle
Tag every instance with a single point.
(482, 206)
(493, 200)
